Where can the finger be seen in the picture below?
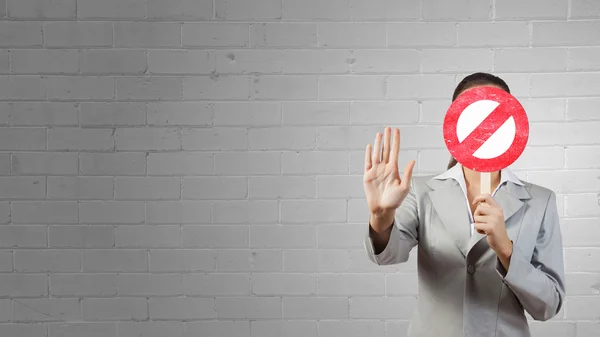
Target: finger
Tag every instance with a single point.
(377, 149)
(486, 198)
(482, 209)
(482, 227)
(368, 163)
(395, 146)
(408, 174)
(482, 219)
(386, 145)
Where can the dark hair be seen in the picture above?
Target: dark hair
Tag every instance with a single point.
(474, 80)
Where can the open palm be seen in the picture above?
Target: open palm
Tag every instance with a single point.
(383, 187)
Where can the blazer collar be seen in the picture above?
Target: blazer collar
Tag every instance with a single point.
(448, 199)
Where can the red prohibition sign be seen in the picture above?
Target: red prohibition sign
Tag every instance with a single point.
(486, 129)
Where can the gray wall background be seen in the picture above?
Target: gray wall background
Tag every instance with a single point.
(194, 167)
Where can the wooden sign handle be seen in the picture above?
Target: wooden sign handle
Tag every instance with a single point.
(485, 182)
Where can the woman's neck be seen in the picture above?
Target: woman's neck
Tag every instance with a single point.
(473, 178)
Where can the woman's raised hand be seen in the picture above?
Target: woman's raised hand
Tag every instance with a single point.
(384, 189)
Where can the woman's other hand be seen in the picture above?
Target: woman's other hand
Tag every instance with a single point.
(489, 220)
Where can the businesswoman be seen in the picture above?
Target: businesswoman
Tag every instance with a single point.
(483, 260)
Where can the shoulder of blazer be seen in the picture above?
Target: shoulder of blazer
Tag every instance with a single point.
(538, 193)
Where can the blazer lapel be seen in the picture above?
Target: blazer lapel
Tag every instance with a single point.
(510, 199)
(450, 204)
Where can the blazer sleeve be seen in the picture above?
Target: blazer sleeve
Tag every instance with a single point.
(539, 283)
(404, 235)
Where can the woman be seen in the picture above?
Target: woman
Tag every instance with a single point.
(483, 260)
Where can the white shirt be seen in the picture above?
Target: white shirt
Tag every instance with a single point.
(456, 173)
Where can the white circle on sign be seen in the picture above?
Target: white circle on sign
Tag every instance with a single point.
(499, 142)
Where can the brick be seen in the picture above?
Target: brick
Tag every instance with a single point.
(281, 187)
(23, 87)
(324, 308)
(564, 134)
(309, 211)
(112, 61)
(80, 139)
(579, 232)
(401, 284)
(493, 34)
(250, 211)
(113, 309)
(456, 60)
(247, 113)
(284, 328)
(553, 329)
(42, 113)
(385, 10)
(429, 34)
(582, 308)
(584, 58)
(121, 163)
(216, 87)
(215, 34)
(214, 284)
(542, 110)
(224, 328)
(21, 34)
(32, 61)
(240, 9)
(24, 285)
(315, 10)
(359, 328)
(356, 138)
(147, 34)
(420, 86)
(284, 34)
(323, 61)
(580, 181)
(44, 163)
(5, 164)
(458, 10)
(180, 113)
(146, 88)
(571, 33)
(582, 205)
(216, 138)
(6, 265)
(248, 307)
(4, 61)
(182, 308)
(284, 284)
(187, 163)
(284, 138)
(180, 62)
(214, 188)
(111, 211)
(349, 186)
(78, 329)
(5, 212)
(584, 157)
(121, 260)
(381, 113)
(351, 284)
(221, 236)
(147, 139)
(23, 236)
(384, 61)
(19, 329)
(2, 8)
(174, 212)
(314, 162)
(285, 87)
(46, 309)
(246, 260)
(147, 188)
(180, 9)
(68, 236)
(564, 84)
(283, 236)
(248, 61)
(584, 9)
(149, 284)
(22, 187)
(182, 260)
(513, 9)
(78, 34)
(339, 235)
(150, 328)
(42, 9)
(361, 35)
(381, 307)
(248, 163)
(144, 236)
(112, 114)
(534, 158)
(47, 261)
(583, 283)
(81, 88)
(44, 212)
(113, 9)
(312, 260)
(363, 87)
(315, 113)
(5, 310)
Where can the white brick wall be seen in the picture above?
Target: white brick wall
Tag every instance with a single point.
(172, 167)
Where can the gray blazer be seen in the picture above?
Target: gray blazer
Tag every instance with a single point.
(463, 288)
